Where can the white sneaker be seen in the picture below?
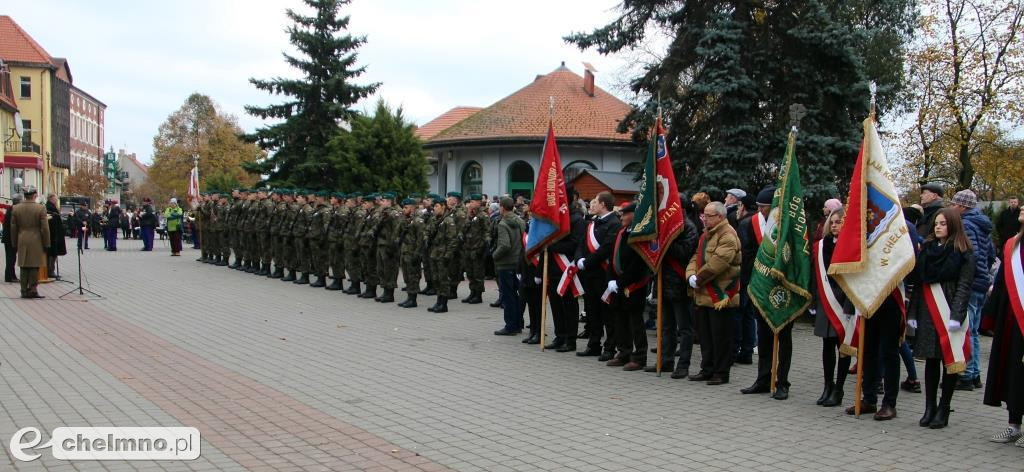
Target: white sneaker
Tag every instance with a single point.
(1008, 435)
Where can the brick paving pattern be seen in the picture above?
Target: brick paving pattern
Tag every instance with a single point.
(278, 376)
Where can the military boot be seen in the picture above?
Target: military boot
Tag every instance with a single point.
(353, 288)
(222, 261)
(278, 273)
(437, 305)
(410, 300)
(388, 296)
(371, 292)
(304, 279)
(443, 307)
(335, 285)
(262, 269)
(250, 266)
(319, 282)
(289, 276)
(429, 291)
(474, 297)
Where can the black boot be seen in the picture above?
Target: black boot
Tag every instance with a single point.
(289, 276)
(444, 306)
(410, 300)
(335, 285)
(222, 261)
(474, 297)
(304, 279)
(835, 397)
(533, 338)
(278, 273)
(237, 264)
(436, 305)
(250, 266)
(929, 403)
(371, 292)
(941, 419)
(319, 282)
(353, 288)
(264, 270)
(388, 296)
(826, 392)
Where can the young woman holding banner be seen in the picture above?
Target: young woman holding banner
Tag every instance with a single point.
(938, 307)
(830, 323)
(1004, 314)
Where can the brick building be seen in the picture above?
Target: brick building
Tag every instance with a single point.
(86, 124)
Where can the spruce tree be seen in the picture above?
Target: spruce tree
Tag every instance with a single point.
(381, 152)
(733, 68)
(318, 102)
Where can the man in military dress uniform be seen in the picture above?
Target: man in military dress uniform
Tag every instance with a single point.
(354, 228)
(336, 239)
(476, 239)
(410, 242)
(250, 243)
(221, 218)
(202, 221)
(288, 237)
(300, 231)
(276, 214)
(233, 231)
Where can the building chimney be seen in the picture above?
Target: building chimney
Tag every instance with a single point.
(588, 78)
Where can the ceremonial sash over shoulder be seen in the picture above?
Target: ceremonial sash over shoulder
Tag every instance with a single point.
(593, 244)
(955, 345)
(758, 224)
(1014, 277)
(569, 279)
(845, 324)
(719, 297)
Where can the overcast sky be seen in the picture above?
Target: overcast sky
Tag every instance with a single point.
(144, 58)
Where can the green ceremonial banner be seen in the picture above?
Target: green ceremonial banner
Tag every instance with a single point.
(779, 284)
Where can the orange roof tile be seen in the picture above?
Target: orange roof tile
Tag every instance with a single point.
(17, 46)
(447, 119)
(524, 114)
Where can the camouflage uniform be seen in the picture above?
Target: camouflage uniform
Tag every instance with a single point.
(353, 263)
(336, 243)
(316, 237)
(410, 243)
(476, 238)
(288, 253)
(303, 218)
(203, 222)
(250, 244)
(387, 252)
(368, 252)
(221, 229)
(443, 252)
(274, 230)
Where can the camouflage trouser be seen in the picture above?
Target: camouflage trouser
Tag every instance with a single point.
(318, 261)
(224, 245)
(236, 244)
(265, 253)
(453, 277)
(411, 272)
(428, 270)
(387, 267)
(338, 256)
(204, 242)
(473, 261)
(288, 252)
(301, 246)
(368, 256)
(275, 251)
(353, 263)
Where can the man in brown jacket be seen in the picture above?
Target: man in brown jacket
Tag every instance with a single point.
(31, 236)
(713, 274)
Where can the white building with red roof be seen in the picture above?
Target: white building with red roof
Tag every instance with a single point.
(497, 149)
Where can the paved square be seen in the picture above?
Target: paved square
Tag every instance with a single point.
(278, 376)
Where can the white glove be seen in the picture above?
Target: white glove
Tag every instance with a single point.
(579, 264)
(912, 323)
(519, 277)
(613, 286)
(693, 281)
(953, 325)
(538, 280)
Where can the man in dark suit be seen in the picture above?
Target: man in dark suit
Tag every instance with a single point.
(31, 235)
(628, 280)
(565, 309)
(592, 257)
(113, 223)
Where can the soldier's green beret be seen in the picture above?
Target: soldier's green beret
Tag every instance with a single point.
(435, 197)
(373, 196)
(455, 194)
(408, 201)
(355, 195)
(476, 197)
(322, 193)
(414, 196)
(388, 195)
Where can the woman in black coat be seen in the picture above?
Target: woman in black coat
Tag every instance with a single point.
(57, 244)
(1005, 379)
(946, 260)
(835, 370)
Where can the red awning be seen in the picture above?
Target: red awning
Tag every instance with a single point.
(23, 162)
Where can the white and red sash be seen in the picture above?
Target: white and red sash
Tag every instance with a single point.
(759, 224)
(593, 244)
(955, 344)
(1014, 277)
(569, 279)
(845, 324)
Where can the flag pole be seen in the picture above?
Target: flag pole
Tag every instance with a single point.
(860, 369)
(544, 301)
(774, 362)
(657, 363)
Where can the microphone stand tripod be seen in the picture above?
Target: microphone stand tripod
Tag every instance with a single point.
(81, 290)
